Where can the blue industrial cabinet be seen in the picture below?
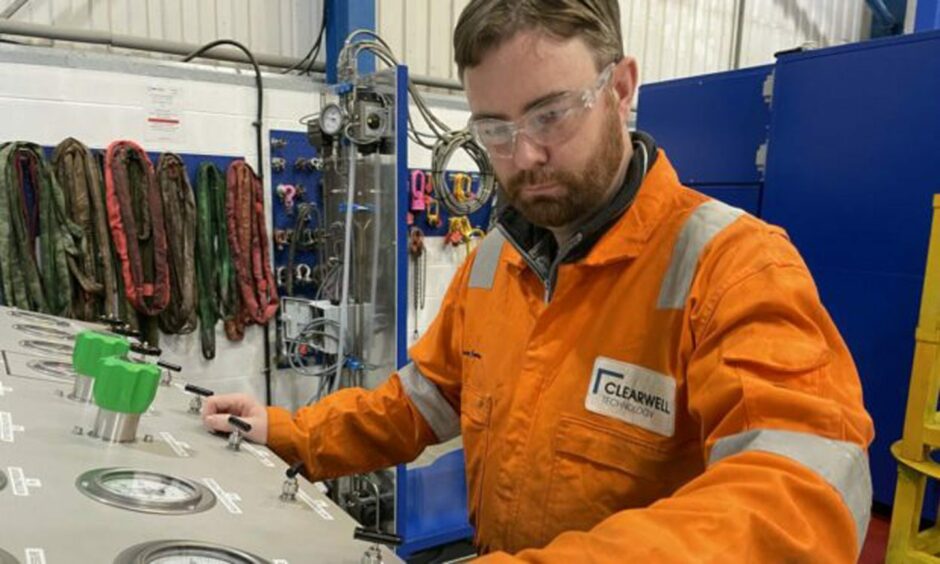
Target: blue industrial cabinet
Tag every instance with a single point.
(852, 168)
(853, 161)
(711, 127)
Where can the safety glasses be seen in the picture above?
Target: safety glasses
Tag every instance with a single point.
(553, 122)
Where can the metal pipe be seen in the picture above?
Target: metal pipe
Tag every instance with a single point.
(882, 12)
(139, 43)
(178, 48)
(738, 35)
(12, 9)
(436, 82)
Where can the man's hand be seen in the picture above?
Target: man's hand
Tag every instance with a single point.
(216, 411)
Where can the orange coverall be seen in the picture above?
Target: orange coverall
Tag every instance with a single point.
(680, 395)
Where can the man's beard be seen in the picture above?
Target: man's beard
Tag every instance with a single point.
(582, 191)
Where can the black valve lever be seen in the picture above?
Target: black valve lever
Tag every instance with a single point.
(296, 468)
(239, 424)
(126, 331)
(145, 349)
(195, 405)
(378, 537)
(169, 365)
(241, 427)
(198, 390)
(112, 321)
(290, 487)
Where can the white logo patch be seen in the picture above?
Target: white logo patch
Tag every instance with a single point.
(633, 394)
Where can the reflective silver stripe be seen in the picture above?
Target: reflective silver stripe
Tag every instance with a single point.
(843, 465)
(484, 265)
(440, 416)
(701, 227)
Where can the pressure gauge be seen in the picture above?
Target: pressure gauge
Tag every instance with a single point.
(7, 558)
(331, 119)
(148, 492)
(185, 552)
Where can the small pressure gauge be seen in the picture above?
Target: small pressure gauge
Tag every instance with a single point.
(144, 491)
(185, 552)
(332, 119)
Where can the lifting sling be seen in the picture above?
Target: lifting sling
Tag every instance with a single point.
(179, 208)
(94, 285)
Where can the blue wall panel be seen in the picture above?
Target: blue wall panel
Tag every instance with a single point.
(852, 168)
(342, 18)
(710, 126)
(928, 15)
(283, 218)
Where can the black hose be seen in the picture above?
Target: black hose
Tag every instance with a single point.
(311, 57)
(259, 170)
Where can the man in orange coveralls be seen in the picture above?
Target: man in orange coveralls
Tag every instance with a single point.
(639, 373)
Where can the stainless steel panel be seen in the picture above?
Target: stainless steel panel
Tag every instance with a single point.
(44, 448)
(39, 367)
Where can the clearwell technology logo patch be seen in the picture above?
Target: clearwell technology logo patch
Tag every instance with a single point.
(633, 394)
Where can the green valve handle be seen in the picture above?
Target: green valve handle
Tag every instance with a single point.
(125, 387)
(92, 346)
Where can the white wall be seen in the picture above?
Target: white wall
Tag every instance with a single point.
(277, 27)
(670, 38)
(48, 95)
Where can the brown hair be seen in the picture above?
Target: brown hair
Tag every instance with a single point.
(485, 24)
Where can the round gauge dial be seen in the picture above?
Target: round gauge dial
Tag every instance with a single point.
(186, 552)
(148, 489)
(141, 490)
(189, 557)
(331, 119)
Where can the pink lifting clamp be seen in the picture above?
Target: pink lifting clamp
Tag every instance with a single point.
(419, 182)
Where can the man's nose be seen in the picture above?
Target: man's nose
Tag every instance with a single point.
(528, 154)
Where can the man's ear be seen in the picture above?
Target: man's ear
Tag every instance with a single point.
(624, 79)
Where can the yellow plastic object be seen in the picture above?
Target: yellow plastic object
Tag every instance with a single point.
(433, 216)
(462, 186)
(459, 230)
(906, 542)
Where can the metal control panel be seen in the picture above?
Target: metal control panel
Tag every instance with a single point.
(176, 493)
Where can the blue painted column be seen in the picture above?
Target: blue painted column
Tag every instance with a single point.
(928, 15)
(343, 17)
